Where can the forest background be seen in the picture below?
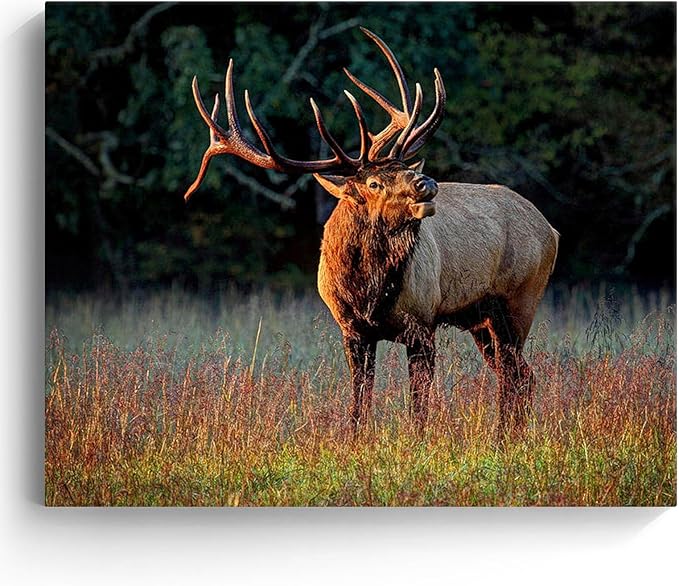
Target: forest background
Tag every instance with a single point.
(573, 105)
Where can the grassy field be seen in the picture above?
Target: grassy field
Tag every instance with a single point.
(172, 399)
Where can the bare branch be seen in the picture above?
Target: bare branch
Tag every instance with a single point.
(107, 142)
(73, 151)
(284, 200)
(340, 27)
(665, 154)
(316, 34)
(137, 30)
(112, 174)
(541, 180)
(301, 183)
(527, 166)
(651, 217)
(307, 48)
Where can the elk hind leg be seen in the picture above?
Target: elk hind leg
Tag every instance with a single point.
(516, 387)
(501, 346)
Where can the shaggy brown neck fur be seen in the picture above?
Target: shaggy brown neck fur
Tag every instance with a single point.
(365, 261)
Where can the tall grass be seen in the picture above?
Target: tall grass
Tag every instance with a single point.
(173, 399)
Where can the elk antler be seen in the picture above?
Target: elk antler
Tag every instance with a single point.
(232, 141)
(412, 140)
(421, 134)
(409, 141)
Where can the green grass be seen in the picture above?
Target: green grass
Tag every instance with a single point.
(174, 399)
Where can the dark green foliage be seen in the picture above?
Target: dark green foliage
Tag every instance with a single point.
(572, 105)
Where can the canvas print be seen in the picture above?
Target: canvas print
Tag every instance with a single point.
(375, 254)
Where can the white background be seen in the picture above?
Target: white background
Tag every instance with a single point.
(263, 546)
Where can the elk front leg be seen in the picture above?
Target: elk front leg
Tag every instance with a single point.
(360, 355)
(421, 362)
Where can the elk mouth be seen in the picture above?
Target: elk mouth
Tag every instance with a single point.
(424, 207)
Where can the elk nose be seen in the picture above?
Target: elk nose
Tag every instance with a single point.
(426, 187)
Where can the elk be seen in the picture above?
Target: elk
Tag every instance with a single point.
(402, 254)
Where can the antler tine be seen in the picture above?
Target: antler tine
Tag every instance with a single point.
(231, 114)
(362, 127)
(340, 155)
(397, 149)
(259, 129)
(399, 118)
(210, 119)
(215, 132)
(421, 134)
(213, 117)
(395, 67)
(243, 148)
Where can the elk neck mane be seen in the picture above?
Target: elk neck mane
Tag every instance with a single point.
(364, 261)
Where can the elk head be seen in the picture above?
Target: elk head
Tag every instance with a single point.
(387, 186)
(389, 189)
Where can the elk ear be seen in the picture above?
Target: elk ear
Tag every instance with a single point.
(417, 167)
(338, 186)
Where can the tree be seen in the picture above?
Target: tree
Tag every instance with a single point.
(572, 105)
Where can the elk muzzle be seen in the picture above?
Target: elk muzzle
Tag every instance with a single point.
(424, 190)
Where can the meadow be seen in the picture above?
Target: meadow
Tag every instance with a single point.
(174, 399)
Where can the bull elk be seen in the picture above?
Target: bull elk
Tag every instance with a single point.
(403, 254)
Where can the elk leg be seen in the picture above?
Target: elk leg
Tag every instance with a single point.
(516, 388)
(360, 355)
(500, 345)
(421, 362)
(484, 337)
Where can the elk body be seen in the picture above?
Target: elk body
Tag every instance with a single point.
(402, 254)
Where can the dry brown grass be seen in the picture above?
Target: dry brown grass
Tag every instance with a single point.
(161, 423)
